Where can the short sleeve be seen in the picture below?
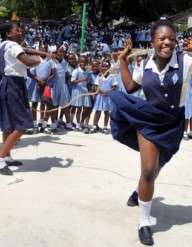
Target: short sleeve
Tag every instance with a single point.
(15, 50)
(114, 82)
(74, 75)
(137, 74)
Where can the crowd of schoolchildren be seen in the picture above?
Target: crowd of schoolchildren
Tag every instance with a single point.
(65, 91)
(59, 88)
(68, 89)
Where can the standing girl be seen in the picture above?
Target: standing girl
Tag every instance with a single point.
(15, 115)
(153, 126)
(60, 95)
(39, 77)
(106, 83)
(80, 80)
(188, 113)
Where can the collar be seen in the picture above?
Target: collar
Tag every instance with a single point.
(172, 63)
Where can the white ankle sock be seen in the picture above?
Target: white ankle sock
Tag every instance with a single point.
(9, 158)
(137, 189)
(2, 163)
(145, 209)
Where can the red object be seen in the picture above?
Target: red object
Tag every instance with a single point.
(47, 92)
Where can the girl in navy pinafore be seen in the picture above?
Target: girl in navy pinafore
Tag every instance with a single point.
(15, 115)
(154, 126)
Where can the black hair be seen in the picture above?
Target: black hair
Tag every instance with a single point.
(6, 28)
(83, 56)
(161, 23)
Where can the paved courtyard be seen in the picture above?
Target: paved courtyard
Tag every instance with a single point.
(75, 191)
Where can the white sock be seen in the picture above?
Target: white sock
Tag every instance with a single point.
(72, 117)
(69, 125)
(53, 125)
(41, 121)
(2, 163)
(9, 158)
(44, 125)
(78, 125)
(35, 124)
(145, 209)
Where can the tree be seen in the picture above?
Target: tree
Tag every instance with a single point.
(100, 12)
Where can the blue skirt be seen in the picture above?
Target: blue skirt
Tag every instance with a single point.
(162, 127)
(15, 113)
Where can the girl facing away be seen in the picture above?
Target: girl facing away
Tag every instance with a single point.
(154, 126)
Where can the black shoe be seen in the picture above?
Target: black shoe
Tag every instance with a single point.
(105, 131)
(41, 130)
(32, 131)
(50, 131)
(14, 163)
(98, 128)
(6, 171)
(133, 200)
(93, 130)
(145, 235)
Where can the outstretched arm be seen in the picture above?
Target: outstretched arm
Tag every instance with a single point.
(31, 51)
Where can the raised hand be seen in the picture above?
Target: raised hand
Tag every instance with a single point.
(127, 50)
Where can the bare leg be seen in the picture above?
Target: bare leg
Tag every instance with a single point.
(149, 153)
(9, 140)
(106, 118)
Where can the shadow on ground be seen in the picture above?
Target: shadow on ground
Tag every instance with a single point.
(168, 216)
(44, 164)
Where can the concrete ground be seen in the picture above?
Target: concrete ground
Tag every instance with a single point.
(75, 191)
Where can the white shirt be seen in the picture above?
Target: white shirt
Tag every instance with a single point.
(13, 66)
(187, 71)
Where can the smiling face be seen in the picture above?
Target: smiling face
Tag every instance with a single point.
(83, 62)
(60, 53)
(164, 42)
(72, 60)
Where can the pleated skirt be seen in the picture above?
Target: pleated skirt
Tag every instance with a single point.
(162, 127)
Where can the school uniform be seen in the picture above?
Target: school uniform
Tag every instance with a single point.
(80, 88)
(15, 113)
(103, 103)
(60, 92)
(42, 71)
(159, 118)
(91, 80)
(188, 102)
(68, 78)
(120, 85)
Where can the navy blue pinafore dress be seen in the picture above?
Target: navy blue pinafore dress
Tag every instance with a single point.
(15, 112)
(158, 118)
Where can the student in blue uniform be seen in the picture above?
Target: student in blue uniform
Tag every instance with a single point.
(95, 66)
(39, 77)
(60, 94)
(188, 114)
(80, 80)
(106, 82)
(153, 126)
(15, 114)
(72, 65)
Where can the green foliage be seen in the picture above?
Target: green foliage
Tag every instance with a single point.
(99, 11)
(3, 12)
